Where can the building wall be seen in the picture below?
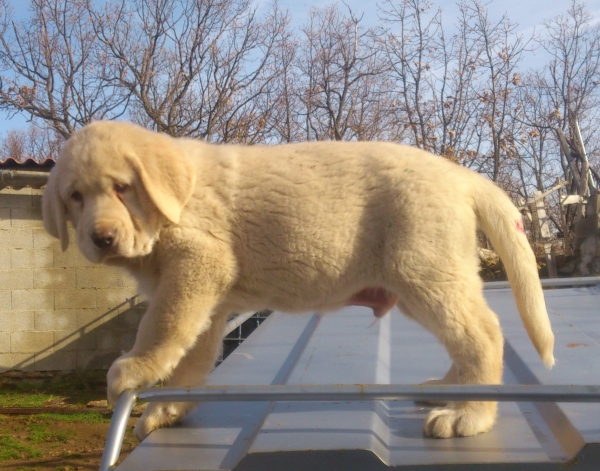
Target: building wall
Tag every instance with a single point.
(57, 310)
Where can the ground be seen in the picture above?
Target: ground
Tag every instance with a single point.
(46, 423)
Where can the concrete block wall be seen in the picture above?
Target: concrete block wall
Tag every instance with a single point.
(57, 310)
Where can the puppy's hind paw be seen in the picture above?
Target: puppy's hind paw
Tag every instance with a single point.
(432, 403)
(459, 422)
(159, 415)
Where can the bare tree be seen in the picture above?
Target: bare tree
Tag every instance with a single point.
(194, 68)
(32, 143)
(549, 103)
(341, 87)
(573, 89)
(435, 78)
(454, 96)
(409, 44)
(53, 69)
(572, 79)
(573, 41)
(502, 51)
(284, 96)
(537, 160)
(218, 70)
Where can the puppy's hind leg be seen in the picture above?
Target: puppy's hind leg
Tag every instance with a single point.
(192, 371)
(451, 377)
(471, 333)
(457, 314)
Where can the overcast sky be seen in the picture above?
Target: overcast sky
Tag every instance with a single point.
(528, 14)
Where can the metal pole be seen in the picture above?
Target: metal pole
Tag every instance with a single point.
(116, 432)
(549, 283)
(377, 392)
(237, 321)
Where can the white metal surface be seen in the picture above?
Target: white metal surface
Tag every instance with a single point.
(348, 347)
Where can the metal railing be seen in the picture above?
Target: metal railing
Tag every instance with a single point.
(349, 392)
(237, 321)
(550, 283)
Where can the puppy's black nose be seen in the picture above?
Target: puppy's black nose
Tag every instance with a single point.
(103, 239)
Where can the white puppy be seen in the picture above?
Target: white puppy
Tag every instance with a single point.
(209, 230)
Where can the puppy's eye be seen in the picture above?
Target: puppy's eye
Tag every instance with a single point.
(121, 188)
(77, 197)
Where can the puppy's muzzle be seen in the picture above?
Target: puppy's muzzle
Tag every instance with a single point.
(105, 238)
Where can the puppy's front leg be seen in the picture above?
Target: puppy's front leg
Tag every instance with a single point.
(178, 313)
(192, 370)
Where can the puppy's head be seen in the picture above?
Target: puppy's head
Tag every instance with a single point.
(118, 184)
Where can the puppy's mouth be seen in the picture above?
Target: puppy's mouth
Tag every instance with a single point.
(101, 255)
(112, 252)
(109, 240)
(101, 246)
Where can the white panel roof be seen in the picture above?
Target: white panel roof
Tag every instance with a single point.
(350, 347)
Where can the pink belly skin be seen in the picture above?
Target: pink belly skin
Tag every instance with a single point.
(378, 299)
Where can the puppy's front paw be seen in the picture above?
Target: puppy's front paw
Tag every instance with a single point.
(463, 421)
(159, 415)
(128, 373)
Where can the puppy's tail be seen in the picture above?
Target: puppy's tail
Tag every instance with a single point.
(502, 223)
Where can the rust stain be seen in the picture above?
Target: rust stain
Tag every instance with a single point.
(573, 345)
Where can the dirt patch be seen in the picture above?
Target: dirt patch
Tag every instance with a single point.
(45, 423)
(47, 442)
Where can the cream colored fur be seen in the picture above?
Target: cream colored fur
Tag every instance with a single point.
(210, 230)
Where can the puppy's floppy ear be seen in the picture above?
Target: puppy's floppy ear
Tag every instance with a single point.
(167, 175)
(54, 212)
